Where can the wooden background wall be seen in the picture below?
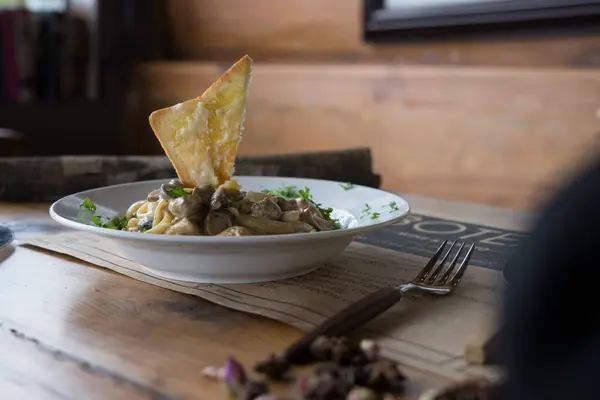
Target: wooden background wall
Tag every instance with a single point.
(492, 121)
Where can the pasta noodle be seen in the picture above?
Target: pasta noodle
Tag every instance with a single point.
(225, 211)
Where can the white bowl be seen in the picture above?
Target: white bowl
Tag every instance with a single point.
(237, 259)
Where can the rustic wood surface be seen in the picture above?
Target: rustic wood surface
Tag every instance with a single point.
(69, 330)
(500, 136)
(316, 30)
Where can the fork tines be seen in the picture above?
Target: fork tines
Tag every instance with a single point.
(428, 277)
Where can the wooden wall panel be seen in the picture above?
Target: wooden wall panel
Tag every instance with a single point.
(492, 135)
(313, 30)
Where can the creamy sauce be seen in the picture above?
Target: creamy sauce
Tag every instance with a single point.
(345, 219)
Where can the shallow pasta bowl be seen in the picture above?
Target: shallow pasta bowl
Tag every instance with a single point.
(237, 259)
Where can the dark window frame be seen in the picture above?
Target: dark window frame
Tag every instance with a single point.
(517, 17)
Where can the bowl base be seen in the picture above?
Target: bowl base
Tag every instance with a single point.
(237, 280)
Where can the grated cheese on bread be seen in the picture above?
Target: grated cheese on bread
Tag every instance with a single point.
(201, 136)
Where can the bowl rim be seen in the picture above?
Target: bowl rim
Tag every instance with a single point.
(182, 239)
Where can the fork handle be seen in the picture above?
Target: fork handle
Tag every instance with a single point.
(350, 318)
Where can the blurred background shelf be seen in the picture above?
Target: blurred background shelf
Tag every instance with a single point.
(70, 127)
(489, 119)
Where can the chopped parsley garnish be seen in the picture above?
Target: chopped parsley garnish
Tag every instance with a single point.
(176, 191)
(284, 191)
(96, 220)
(393, 206)
(347, 186)
(289, 192)
(367, 210)
(87, 203)
(117, 223)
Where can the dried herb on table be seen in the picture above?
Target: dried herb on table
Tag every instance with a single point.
(274, 367)
(346, 352)
(384, 376)
(253, 390)
(237, 383)
(234, 377)
(370, 348)
(321, 347)
(322, 387)
(339, 350)
(351, 370)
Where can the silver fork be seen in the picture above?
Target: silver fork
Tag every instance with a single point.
(439, 280)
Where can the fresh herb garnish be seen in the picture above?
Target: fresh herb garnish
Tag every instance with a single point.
(117, 223)
(176, 191)
(290, 191)
(347, 186)
(393, 206)
(284, 191)
(87, 203)
(366, 211)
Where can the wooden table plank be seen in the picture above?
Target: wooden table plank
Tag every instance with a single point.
(31, 370)
(70, 330)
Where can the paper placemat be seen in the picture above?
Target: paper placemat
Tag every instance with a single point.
(421, 331)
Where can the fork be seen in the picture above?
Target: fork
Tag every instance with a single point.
(432, 279)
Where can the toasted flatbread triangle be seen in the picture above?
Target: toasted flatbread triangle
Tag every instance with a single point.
(201, 136)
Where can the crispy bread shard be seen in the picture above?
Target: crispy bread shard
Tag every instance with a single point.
(201, 136)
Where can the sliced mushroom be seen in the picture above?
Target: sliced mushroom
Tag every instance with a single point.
(236, 231)
(153, 195)
(186, 206)
(287, 204)
(233, 211)
(184, 227)
(165, 188)
(244, 206)
(266, 208)
(205, 192)
(289, 216)
(270, 227)
(255, 197)
(312, 216)
(223, 197)
(302, 203)
(216, 222)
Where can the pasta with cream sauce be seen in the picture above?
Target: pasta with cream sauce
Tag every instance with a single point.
(225, 211)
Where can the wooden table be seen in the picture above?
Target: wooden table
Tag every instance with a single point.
(75, 331)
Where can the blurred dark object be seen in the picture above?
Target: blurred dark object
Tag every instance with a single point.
(485, 351)
(6, 236)
(66, 73)
(384, 22)
(11, 143)
(551, 342)
(49, 178)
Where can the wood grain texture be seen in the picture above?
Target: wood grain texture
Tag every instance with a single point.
(31, 370)
(501, 136)
(331, 30)
(69, 330)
